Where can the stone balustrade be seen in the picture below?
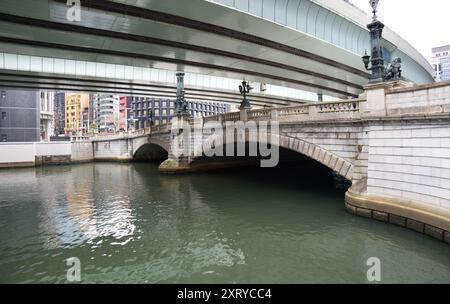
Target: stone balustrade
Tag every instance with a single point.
(293, 111)
(211, 118)
(339, 107)
(257, 115)
(309, 112)
(233, 116)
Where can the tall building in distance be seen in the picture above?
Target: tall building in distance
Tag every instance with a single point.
(89, 114)
(75, 104)
(107, 113)
(60, 113)
(47, 115)
(92, 125)
(19, 115)
(440, 61)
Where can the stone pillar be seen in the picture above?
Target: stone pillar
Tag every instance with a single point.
(312, 112)
(376, 97)
(376, 100)
(181, 104)
(274, 115)
(179, 162)
(243, 114)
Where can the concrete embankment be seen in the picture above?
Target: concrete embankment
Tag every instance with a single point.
(31, 154)
(418, 216)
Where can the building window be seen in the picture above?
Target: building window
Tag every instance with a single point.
(4, 138)
(3, 115)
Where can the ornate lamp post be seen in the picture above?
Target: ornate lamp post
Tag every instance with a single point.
(245, 88)
(151, 117)
(180, 103)
(379, 73)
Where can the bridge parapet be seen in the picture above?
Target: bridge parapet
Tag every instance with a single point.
(340, 106)
(432, 99)
(347, 109)
(234, 116)
(261, 114)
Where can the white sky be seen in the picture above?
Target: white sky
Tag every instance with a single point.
(423, 23)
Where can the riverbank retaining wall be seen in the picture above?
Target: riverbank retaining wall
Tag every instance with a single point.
(44, 153)
(408, 174)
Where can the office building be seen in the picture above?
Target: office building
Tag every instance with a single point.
(47, 115)
(19, 115)
(440, 60)
(59, 113)
(148, 110)
(75, 104)
(107, 112)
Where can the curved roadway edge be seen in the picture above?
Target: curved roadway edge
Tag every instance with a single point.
(416, 216)
(359, 17)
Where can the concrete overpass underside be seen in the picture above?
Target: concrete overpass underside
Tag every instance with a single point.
(119, 40)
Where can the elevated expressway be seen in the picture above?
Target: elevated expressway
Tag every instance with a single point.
(312, 45)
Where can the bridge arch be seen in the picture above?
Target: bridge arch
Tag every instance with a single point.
(151, 149)
(329, 159)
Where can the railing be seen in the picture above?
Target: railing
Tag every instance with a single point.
(233, 116)
(337, 107)
(211, 118)
(346, 109)
(263, 114)
(293, 111)
(313, 111)
(159, 128)
(79, 138)
(131, 133)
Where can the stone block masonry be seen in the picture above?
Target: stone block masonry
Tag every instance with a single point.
(421, 219)
(411, 160)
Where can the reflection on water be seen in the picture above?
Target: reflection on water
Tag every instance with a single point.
(127, 223)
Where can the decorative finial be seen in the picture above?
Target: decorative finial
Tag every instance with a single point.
(374, 4)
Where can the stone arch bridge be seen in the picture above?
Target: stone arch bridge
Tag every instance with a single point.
(393, 144)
